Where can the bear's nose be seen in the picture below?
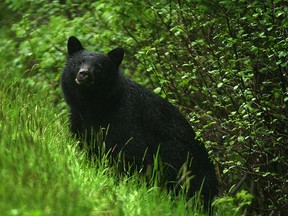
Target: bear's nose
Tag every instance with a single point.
(83, 74)
(84, 77)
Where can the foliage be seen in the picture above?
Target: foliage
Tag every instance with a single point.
(236, 204)
(224, 63)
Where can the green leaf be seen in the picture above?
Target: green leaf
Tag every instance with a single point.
(157, 90)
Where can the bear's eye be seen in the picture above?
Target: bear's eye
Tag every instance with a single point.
(98, 67)
(80, 62)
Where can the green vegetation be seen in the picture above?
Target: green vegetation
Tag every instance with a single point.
(223, 63)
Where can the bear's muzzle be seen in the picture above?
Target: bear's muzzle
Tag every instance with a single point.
(84, 77)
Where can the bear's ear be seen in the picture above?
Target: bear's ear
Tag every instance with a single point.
(116, 55)
(74, 45)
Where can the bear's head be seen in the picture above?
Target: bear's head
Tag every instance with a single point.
(92, 69)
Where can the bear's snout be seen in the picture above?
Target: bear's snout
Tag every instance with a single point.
(84, 77)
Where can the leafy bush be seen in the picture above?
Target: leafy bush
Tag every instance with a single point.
(223, 63)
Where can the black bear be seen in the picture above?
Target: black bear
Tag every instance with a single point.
(141, 123)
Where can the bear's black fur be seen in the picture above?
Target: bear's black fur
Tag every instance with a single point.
(140, 122)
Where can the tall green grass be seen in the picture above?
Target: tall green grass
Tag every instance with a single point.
(43, 173)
